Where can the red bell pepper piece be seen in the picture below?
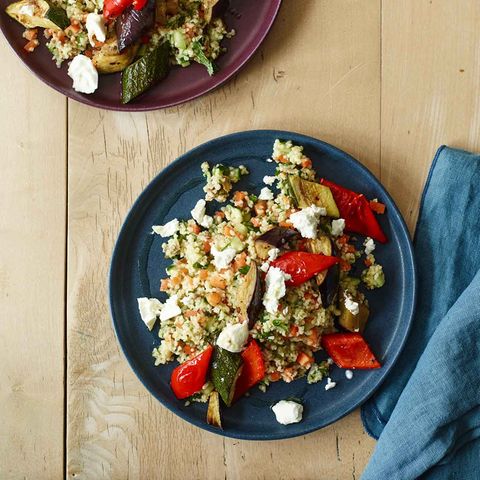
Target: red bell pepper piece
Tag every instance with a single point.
(189, 377)
(302, 266)
(253, 369)
(349, 350)
(139, 4)
(356, 211)
(113, 8)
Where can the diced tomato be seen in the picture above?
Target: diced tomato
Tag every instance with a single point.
(344, 265)
(275, 376)
(189, 377)
(349, 350)
(343, 239)
(377, 207)
(293, 331)
(253, 369)
(302, 266)
(306, 163)
(303, 359)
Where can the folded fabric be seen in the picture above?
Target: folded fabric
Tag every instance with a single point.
(428, 410)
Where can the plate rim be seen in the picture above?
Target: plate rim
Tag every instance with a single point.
(132, 107)
(410, 265)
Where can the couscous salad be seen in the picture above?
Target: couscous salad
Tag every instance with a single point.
(260, 285)
(140, 38)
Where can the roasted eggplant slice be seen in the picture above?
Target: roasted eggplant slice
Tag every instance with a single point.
(279, 237)
(132, 24)
(226, 368)
(323, 245)
(250, 295)
(351, 322)
(213, 411)
(172, 7)
(109, 60)
(329, 287)
(308, 193)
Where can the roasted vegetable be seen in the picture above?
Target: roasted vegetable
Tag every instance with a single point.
(109, 60)
(145, 72)
(132, 24)
(250, 295)
(190, 376)
(349, 350)
(213, 411)
(277, 237)
(172, 7)
(253, 370)
(113, 8)
(302, 266)
(351, 322)
(208, 8)
(161, 12)
(356, 211)
(322, 244)
(38, 13)
(226, 368)
(308, 193)
(329, 287)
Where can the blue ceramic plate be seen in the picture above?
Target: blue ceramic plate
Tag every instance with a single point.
(138, 265)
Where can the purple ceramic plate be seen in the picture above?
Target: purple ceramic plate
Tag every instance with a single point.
(251, 20)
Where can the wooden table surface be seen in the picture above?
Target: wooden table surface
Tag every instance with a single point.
(388, 81)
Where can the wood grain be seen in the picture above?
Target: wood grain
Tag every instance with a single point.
(329, 88)
(32, 269)
(430, 79)
(386, 80)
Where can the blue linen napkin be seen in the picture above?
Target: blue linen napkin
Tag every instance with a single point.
(427, 413)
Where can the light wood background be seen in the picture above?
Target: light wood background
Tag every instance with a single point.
(388, 81)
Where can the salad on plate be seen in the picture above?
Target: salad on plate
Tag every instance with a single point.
(259, 284)
(141, 39)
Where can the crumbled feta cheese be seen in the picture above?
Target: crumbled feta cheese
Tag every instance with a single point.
(84, 74)
(274, 288)
(264, 267)
(349, 374)
(96, 28)
(167, 230)
(273, 254)
(222, 258)
(170, 309)
(306, 220)
(233, 337)
(287, 412)
(149, 309)
(265, 194)
(269, 160)
(27, 10)
(198, 214)
(352, 306)
(369, 245)
(337, 227)
(267, 180)
(330, 384)
(329, 361)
